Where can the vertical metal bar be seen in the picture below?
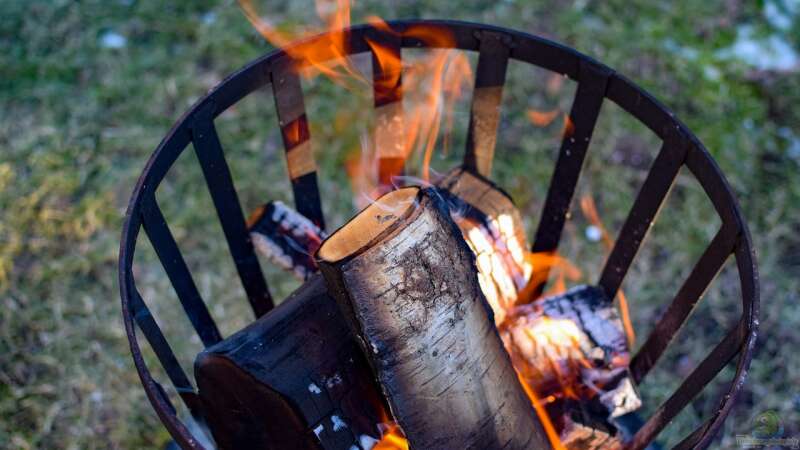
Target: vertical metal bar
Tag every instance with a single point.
(689, 294)
(387, 82)
(484, 118)
(164, 353)
(694, 383)
(645, 209)
(155, 225)
(592, 83)
(300, 160)
(220, 185)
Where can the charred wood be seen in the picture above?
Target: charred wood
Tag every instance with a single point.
(405, 281)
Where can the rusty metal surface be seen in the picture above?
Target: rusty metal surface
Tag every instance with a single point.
(596, 82)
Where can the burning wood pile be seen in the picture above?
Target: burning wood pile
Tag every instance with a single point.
(426, 328)
(435, 285)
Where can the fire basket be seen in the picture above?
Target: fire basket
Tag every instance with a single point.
(297, 394)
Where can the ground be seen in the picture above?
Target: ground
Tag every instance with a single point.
(88, 89)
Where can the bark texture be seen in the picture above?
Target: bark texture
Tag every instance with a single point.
(411, 295)
(293, 379)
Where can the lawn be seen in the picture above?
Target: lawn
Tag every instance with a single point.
(89, 88)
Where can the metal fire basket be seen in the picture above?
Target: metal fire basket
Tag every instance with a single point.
(495, 46)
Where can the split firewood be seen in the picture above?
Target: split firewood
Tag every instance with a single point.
(584, 431)
(487, 217)
(493, 228)
(286, 237)
(573, 346)
(405, 281)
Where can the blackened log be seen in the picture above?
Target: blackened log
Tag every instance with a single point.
(295, 378)
(406, 282)
(286, 237)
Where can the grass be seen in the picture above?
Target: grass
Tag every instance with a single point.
(79, 119)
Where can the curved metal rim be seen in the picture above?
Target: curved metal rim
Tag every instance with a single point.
(527, 48)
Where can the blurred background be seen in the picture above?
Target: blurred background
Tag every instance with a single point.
(89, 88)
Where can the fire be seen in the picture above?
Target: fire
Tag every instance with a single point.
(542, 118)
(555, 346)
(590, 211)
(392, 439)
(501, 260)
(541, 412)
(569, 127)
(544, 265)
(421, 97)
(430, 87)
(326, 55)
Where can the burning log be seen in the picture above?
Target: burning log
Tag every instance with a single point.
(493, 228)
(286, 237)
(404, 279)
(572, 346)
(486, 215)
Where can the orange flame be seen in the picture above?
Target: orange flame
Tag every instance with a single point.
(431, 85)
(569, 127)
(590, 211)
(542, 118)
(392, 439)
(545, 264)
(325, 55)
(541, 412)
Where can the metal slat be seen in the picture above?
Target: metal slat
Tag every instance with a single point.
(694, 383)
(689, 294)
(220, 185)
(165, 356)
(592, 83)
(300, 161)
(645, 209)
(387, 84)
(690, 441)
(490, 76)
(155, 225)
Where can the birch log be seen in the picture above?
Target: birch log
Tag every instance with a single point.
(406, 283)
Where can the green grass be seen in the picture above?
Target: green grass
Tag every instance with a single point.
(78, 121)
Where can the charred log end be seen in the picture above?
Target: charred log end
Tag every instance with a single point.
(295, 378)
(237, 421)
(406, 280)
